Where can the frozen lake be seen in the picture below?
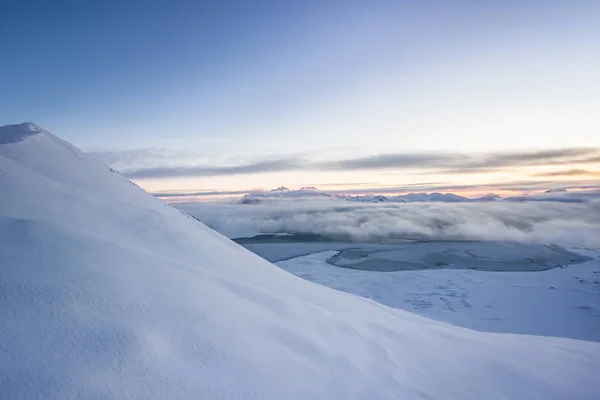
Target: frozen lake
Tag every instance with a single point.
(413, 255)
(562, 302)
(525, 288)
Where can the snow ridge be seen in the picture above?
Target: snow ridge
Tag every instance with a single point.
(17, 133)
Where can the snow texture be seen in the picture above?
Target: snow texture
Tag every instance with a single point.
(107, 293)
(562, 302)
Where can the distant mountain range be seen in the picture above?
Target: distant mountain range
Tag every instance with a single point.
(312, 193)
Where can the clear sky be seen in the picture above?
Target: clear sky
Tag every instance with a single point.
(233, 95)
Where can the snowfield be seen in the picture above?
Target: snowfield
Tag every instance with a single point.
(562, 302)
(106, 292)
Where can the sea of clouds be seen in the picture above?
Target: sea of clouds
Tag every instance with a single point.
(564, 224)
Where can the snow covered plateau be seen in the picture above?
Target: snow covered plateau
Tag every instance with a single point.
(106, 292)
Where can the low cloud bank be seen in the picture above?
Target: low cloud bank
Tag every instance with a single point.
(565, 224)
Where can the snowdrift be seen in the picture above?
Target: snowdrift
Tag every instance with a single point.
(106, 292)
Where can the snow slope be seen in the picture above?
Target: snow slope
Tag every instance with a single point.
(106, 292)
(561, 302)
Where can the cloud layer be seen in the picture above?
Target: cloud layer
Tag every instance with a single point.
(448, 163)
(570, 172)
(571, 225)
(191, 171)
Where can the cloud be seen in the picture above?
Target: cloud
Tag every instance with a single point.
(150, 156)
(463, 171)
(469, 163)
(393, 161)
(336, 184)
(170, 194)
(559, 156)
(520, 186)
(159, 163)
(565, 224)
(570, 172)
(207, 170)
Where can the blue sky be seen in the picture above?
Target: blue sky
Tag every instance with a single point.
(233, 95)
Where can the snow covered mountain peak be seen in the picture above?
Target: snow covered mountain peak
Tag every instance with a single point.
(31, 127)
(18, 132)
(106, 292)
(20, 128)
(280, 189)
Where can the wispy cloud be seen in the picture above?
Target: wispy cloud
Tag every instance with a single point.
(337, 184)
(469, 163)
(206, 170)
(518, 186)
(393, 161)
(201, 193)
(163, 163)
(462, 171)
(559, 156)
(570, 172)
(144, 157)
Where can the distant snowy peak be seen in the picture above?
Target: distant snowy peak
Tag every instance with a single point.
(280, 189)
(444, 197)
(283, 193)
(489, 197)
(311, 193)
(407, 198)
(368, 198)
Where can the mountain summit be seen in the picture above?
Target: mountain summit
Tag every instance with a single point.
(106, 292)
(16, 133)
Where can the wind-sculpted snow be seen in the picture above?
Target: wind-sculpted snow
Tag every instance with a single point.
(565, 224)
(106, 292)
